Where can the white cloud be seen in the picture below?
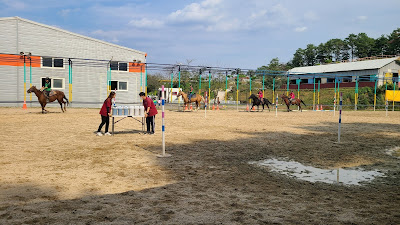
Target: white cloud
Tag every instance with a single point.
(67, 12)
(362, 18)
(147, 23)
(207, 10)
(300, 29)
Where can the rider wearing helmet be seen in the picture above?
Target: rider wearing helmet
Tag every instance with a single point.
(191, 92)
(47, 87)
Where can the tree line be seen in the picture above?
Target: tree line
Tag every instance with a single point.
(350, 48)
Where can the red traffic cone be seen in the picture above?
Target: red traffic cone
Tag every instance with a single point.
(191, 107)
(320, 107)
(217, 107)
(213, 108)
(254, 108)
(186, 108)
(24, 106)
(247, 108)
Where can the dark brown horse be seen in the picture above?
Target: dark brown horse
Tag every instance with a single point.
(194, 98)
(58, 95)
(256, 101)
(295, 101)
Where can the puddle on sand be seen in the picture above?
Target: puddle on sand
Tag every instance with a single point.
(294, 169)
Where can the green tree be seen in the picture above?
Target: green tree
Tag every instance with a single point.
(364, 45)
(310, 55)
(394, 42)
(298, 58)
(350, 41)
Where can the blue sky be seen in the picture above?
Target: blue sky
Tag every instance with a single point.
(227, 33)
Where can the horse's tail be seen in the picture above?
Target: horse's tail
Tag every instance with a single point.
(303, 102)
(269, 102)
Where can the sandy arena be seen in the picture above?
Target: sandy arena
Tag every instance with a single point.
(54, 170)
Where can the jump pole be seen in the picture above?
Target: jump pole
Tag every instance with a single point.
(263, 83)
(314, 95)
(209, 87)
(340, 116)
(141, 78)
(287, 85)
(319, 88)
(163, 124)
(30, 77)
(276, 106)
(145, 80)
(273, 89)
(250, 87)
(237, 89)
(200, 81)
(356, 95)
(375, 94)
(226, 86)
(172, 77)
(179, 84)
(70, 79)
(24, 106)
(394, 89)
(334, 100)
(386, 100)
(298, 90)
(205, 106)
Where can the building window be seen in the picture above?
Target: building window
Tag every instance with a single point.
(119, 85)
(119, 66)
(52, 62)
(55, 83)
(114, 65)
(59, 63)
(123, 86)
(123, 66)
(47, 62)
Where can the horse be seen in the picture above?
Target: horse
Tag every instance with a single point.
(195, 98)
(256, 101)
(58, 95)
(295, 101)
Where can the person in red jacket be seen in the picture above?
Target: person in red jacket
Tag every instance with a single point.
(105, 113)
(150, 112)
(291, 96)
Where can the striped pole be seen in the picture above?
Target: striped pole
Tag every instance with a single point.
(163, 123)
(276, 106)
(273, 89)
(24, 106)
(179, 84)
(70, 80)
(30, 77)
(298, 90)
(250, 86)
(141, 77)
(334, 98)
(263, 84)
(145, 80)
(394, 89)
(338, 88)
(209, 87)
(237, 89)
(356, 95)
(226, 86)
(340, 116)
(375, 94)
(314, 95)
(319, 88)
(172, 77)
(205, 105)
(287, 86)
(200, 82)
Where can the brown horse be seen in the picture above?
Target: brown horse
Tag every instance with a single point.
(295, 101)
(59, 96)
(195, 98)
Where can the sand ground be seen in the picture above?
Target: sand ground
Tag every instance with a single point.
(54, 170)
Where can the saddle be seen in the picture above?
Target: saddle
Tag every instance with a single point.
(193, 96)
(52, 93)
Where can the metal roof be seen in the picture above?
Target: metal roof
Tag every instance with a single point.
(342, 67)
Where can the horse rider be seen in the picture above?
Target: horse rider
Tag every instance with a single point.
(47, 87)
(260, 96)
(291, 96)
(191, 92)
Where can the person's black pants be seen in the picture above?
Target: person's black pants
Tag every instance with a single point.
(104, 120)
(150, 121)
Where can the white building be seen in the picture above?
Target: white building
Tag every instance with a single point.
(52, 50)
